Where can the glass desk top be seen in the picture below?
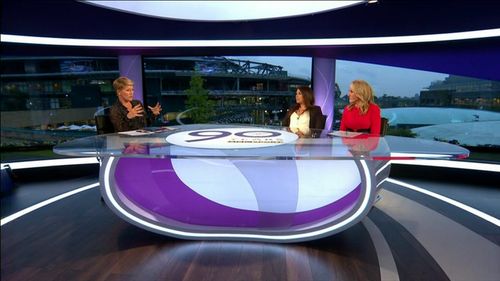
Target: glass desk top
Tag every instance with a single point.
(250, 183)
(255, 142)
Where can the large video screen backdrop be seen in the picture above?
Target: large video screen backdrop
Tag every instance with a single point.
(225, 89)
(47, 100)
(430, 105)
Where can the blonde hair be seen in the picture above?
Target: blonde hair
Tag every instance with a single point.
(364, 93)
(122, 82)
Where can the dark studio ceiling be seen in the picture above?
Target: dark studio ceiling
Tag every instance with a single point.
(474, 57)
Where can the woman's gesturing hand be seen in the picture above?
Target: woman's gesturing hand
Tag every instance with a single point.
(135, 111)
(156, 109)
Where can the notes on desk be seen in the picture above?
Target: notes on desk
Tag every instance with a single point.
(344, 134)
(143, 132)
(134, 133)
(163, 129)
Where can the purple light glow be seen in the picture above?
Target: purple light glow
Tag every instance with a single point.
(164, 195)
(324, 87)
(131, 67)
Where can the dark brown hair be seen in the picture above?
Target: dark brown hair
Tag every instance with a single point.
(308, 95)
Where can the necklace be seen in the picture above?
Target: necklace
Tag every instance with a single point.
(299, 112)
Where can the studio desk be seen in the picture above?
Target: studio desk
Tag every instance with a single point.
(220, 182)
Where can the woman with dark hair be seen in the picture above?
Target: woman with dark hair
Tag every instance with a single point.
(361, 114)
(304, 115)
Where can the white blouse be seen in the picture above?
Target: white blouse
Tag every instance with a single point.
(300, 122)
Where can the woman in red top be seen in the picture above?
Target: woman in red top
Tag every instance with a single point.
(361, 114)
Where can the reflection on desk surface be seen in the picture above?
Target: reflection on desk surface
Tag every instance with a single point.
(230, 141)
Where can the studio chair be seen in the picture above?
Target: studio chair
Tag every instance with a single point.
(322, 122)
(103, 121)
(103, 126)
(384, 124)
(318, 127)
(7, 178)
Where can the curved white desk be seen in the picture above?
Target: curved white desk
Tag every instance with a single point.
(246, 183)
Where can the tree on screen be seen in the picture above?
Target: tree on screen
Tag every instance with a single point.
(200, 106)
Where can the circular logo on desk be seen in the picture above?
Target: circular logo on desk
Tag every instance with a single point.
(231, 138)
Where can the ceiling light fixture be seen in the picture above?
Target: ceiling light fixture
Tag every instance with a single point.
(467, 35)
(222, 10)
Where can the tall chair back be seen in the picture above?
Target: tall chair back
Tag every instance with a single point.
(384, 124)
(323, 122)
(103, 121)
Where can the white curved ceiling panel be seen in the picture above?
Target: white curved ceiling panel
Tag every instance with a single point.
(223, 10)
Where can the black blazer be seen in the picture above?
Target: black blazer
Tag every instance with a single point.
(315, 115)
(118, 116)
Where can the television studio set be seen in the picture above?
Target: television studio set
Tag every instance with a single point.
(250, 140)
